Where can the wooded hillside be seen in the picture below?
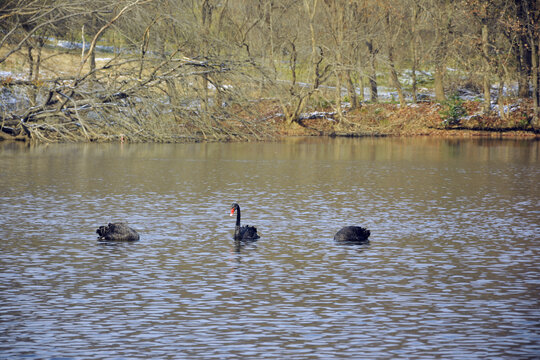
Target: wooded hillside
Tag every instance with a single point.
(189, 70)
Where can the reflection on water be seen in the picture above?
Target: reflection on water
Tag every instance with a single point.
(451, 270)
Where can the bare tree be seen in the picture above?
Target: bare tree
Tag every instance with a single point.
(202, 69)
(394, 16)
(529, 20)
(442, 20)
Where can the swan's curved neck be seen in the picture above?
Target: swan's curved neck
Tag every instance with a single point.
(238, 216)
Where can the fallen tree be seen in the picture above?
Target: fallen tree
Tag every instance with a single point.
(161, 105)
(136, 93)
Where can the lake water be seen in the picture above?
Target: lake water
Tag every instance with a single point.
(452, 270)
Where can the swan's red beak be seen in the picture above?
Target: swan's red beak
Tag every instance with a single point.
(232, 211)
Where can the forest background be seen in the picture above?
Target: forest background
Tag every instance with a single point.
(222, 70)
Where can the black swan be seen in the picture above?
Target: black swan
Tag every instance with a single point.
(245, 232)
(117, 232)
(352, 234)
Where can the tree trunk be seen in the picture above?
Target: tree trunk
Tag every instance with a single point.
(30, 63)
(93, 51)
(443, 19)
(414, 51)
(500, 99)
(536, 83)
(206, 22)
(486, 82)
(373, 72)
(338, 25)
(439, 87)
(536, 67)
(361, 86)
(351, 90)
(93, 63)
(269, 19)
(40, 43)
(523, 53)
(338, 96)
(532, 11)
(524, 68)
(395, 79)
(313, 36)
(413, 80)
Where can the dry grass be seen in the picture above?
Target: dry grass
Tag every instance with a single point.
(55, 63)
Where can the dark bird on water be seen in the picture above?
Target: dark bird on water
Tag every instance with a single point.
(117, 232)
(352, 234)
(245, 233)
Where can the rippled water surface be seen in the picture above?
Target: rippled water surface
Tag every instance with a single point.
(452, 270)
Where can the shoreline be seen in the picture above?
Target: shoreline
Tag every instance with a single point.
(369, 120)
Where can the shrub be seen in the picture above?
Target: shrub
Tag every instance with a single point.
(452, 111)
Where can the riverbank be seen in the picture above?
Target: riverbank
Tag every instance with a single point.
(422, 119)
(265, 121)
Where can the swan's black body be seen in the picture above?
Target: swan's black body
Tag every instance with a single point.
(244, 233)
(352, 234)
(117, 232)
